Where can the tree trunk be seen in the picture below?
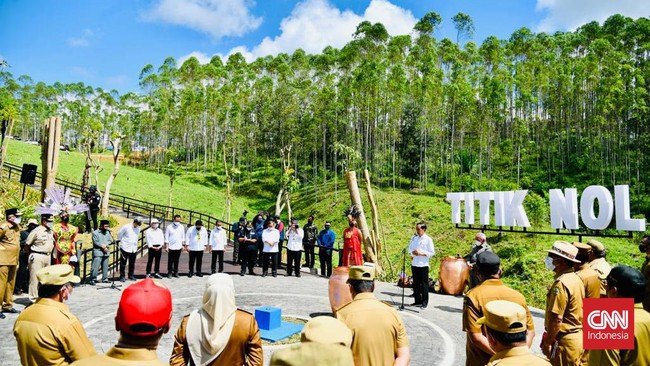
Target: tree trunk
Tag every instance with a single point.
(278, 202)
(50, 153)
(116, 169)
(4, 144)
(355, 198)
(228, 184)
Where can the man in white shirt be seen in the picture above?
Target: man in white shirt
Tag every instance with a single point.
(271, 241)
(295, 234)
(421, 249)
(174, 243)
(196, 242)
(155, 240)
(128, 237)
(218, 239)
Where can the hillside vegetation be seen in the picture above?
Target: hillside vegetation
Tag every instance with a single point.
(522, 255)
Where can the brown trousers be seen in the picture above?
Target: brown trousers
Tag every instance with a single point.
(7, 283)
(569, 352)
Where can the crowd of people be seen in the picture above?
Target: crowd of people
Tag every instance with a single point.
(496, 319)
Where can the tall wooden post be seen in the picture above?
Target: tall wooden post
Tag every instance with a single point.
(355, 198)
(50, 141)
(375, 213)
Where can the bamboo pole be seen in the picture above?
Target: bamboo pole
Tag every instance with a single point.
(375, 213)
(355, 198)
(50, 153)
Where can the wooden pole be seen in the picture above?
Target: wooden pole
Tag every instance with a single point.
(375, 213)
(355, 198)
(51, 139)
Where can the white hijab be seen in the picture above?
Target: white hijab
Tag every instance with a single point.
(208, 328)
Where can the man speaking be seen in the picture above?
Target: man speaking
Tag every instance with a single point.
(421, 249)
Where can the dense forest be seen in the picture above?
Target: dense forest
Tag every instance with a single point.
(535, 111)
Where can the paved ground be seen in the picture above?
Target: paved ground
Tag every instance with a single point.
(434, 333)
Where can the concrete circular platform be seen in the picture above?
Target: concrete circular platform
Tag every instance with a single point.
(435, 334)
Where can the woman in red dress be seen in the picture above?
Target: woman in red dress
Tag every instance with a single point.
(352, 239)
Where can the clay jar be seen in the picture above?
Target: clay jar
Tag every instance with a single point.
(339, 292)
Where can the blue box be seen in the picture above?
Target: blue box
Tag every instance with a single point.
(268, 317)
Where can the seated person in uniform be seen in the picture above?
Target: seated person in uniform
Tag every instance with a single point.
(218, 333)
(143, 316)
(324, 341)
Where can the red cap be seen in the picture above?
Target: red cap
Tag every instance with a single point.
(145, 309)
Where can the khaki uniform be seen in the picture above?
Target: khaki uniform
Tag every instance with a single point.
(564, 298)
(48, 334)
(645, 269)
(517, 356)
(591, 281)
(377, 329)
(313, 354)
(243, 347)
(475, 301)
(41, 243)
(639, 356)
(9, 250)
(123, 355)
(601, 267)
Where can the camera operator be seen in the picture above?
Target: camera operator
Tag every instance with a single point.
(248, 247)
(294, 248)
(92, 199)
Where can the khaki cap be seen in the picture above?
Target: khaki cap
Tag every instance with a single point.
(57, 274)
(32, 222)
(565, 250)
(325, 329)
(504, 316)
(361, 273)
(596, 245)
(582, 248)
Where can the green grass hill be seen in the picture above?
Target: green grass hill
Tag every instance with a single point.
(522, 254)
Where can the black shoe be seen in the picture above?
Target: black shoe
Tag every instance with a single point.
(158, 276)
(416, 304)
(275, 275)
(263, 274)
(200, 274)
(242, 273)
(213, 272)
(11, 311)
(297, 274)
(131, 278)
(252, 273)
(423, 306)
(169, 275)
(2, 316)
(287, 274)
(176, 274)
(91, 283)
(105, 280)
(123, 279)
(190, 275)
(146, 276)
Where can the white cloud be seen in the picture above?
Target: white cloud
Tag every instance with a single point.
(570, 14)
(316, 24)
(83, 40)
(81, 72)
(218, 18)
(200, 56)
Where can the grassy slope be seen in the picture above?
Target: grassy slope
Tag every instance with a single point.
(522, 255)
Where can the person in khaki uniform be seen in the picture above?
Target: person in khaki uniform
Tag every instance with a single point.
(324, 341)
(379, 336)
(505, 325)
(39, 244)
(46, 332)
(490, 288)
(9, 250)
(627, 282)
(218, 333)
(562, 342)
(645, 269)
(598, 262)
(588, 275)
(143, 316)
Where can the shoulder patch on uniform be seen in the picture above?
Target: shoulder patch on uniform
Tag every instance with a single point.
(3, 227)
(556, 290)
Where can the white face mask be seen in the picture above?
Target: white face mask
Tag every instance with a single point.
(154, 226)
(477, 243)
(49, 224)
(17, 220)
(548, 261)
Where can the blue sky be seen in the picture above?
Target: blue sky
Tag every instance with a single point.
(106, 43)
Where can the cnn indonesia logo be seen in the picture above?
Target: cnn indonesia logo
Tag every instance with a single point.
(608, 324)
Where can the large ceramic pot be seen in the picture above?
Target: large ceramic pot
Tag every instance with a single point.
(454, 274)
(339, 292)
